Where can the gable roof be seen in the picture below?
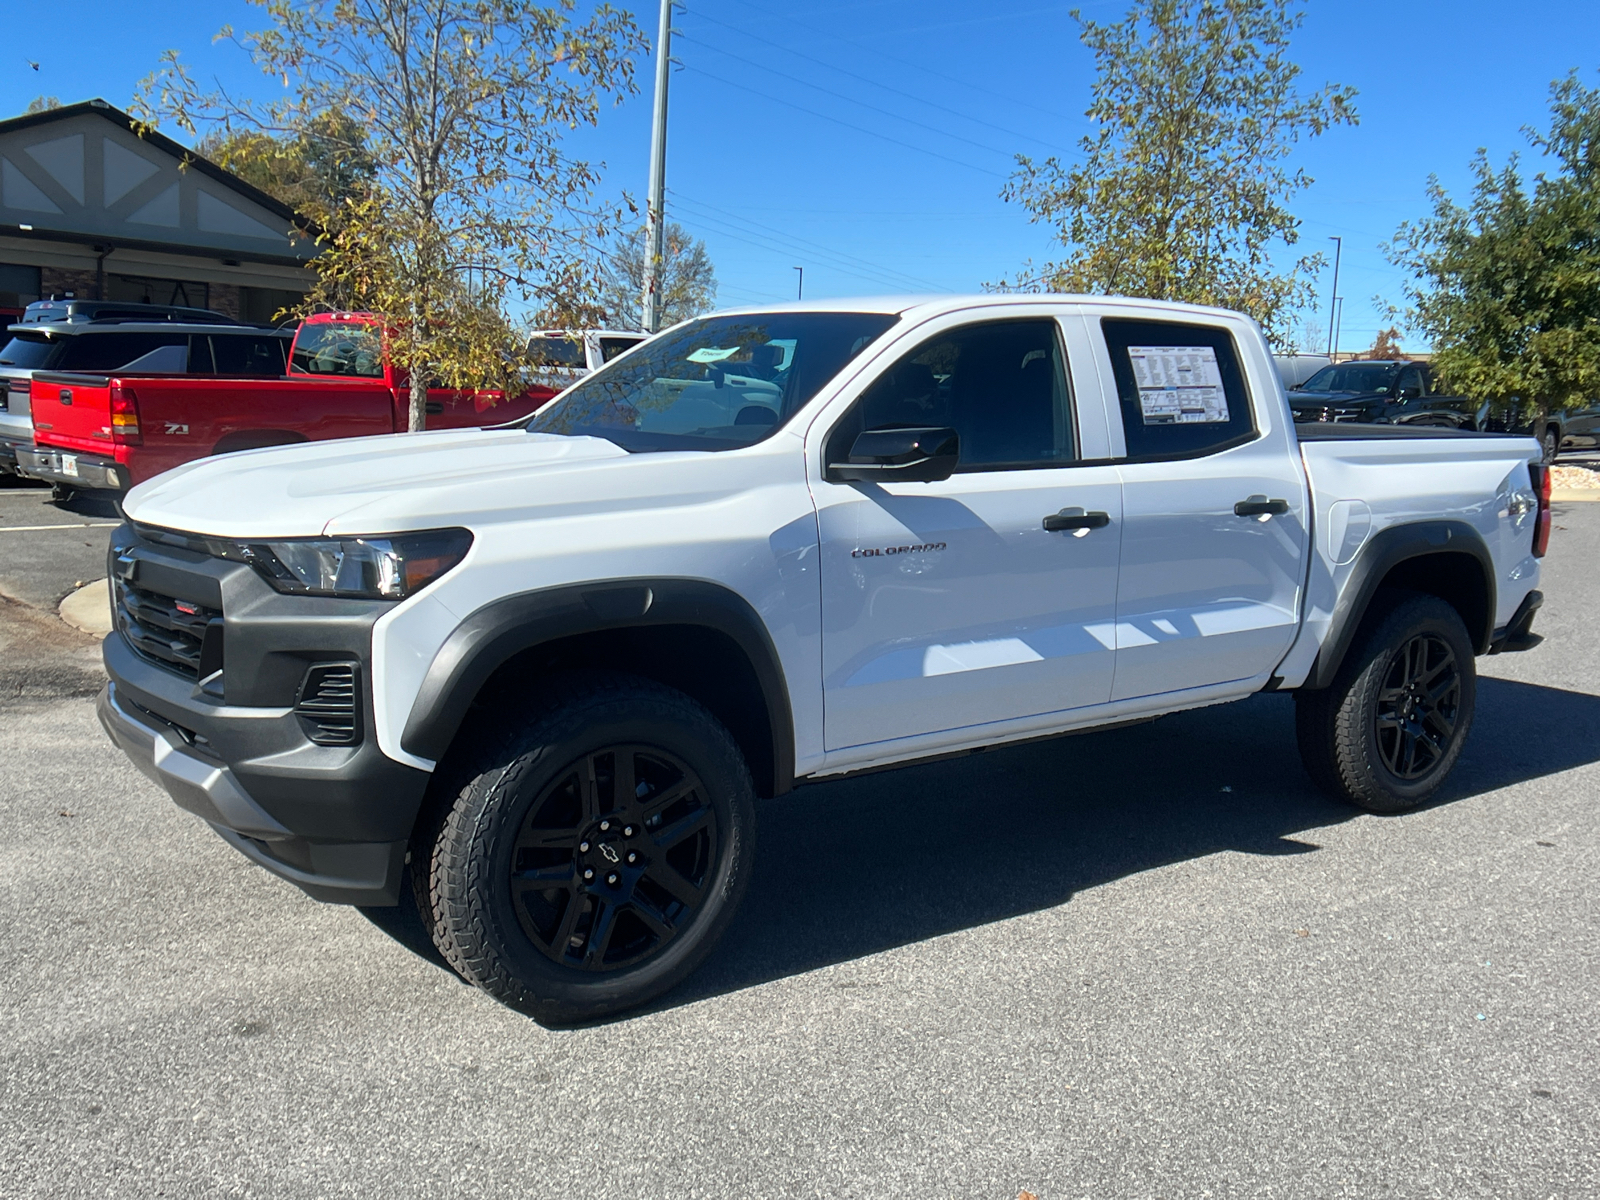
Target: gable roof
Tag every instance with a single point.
(84, 171)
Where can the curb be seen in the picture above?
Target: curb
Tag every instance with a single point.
(88, 609)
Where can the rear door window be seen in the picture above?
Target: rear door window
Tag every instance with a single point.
(610, 347)
(1180, 388)
(108, 351)
(248, 354)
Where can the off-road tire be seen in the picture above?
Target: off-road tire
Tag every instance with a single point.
(1338, 728)
(479, 927)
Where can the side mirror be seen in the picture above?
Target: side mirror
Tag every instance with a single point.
(912, 455)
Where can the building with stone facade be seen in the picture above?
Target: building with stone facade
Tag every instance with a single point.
(90, 208)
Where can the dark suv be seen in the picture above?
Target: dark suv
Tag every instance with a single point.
(102, 335)
(1392, 392)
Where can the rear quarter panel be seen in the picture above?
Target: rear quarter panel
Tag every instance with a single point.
(1360, 488)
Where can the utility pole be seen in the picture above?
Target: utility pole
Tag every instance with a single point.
(800, 288)
(1333, 350)
(1333, 296)
(655, 221)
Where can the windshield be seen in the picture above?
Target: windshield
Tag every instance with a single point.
(26, 351)
(714, 384)
(1353, 377)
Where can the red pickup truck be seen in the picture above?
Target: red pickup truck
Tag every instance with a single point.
(114, 430)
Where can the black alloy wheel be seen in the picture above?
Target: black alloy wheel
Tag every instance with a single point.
(1417, 707)
(591, 847)
(613, 858)
(1385, 733)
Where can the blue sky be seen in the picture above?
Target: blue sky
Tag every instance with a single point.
(868, 141)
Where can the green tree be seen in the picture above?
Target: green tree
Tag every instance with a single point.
(688, 284)
(314, 172)
(1182, 189)
(1507, 286)
(473, 204)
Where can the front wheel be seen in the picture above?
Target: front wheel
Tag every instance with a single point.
(1551, 445)
(1388, 730)
(597, 853)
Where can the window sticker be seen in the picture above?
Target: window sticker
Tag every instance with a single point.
(1179, 385)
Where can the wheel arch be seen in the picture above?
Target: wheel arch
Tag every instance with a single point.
(257, 439)
(699, 637)
(1448, 559)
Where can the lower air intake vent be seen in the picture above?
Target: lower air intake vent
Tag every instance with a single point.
(330, 704)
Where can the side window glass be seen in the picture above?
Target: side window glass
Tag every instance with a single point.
(247, 354)
(200, 355)
(1002, 385)
(338, 348)
(108, 351)
(1179, 387)
(610, 347)
(1409, 385)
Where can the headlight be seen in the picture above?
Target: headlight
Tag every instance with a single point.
(382, 567)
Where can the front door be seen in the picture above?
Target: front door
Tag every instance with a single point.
(949, 605)
(1214, 512)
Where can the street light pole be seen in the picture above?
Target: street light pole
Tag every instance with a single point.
(1333, 350)
(1333, 296)
(656, 201)
(800, 288)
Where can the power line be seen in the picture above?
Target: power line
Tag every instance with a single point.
(852, 100)
(888, 273)
(761, 242)
(905, 62)
(875, 83)
(848, 125)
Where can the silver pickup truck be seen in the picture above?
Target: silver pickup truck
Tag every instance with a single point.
(537, 676)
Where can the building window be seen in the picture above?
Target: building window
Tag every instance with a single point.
(138, 289)
(19, 287)
(261, 306)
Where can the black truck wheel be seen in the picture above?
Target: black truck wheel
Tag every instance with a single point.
(1391, 726)
(596, 853)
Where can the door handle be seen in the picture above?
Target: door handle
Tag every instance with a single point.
(1077, 520)
(1260, 506)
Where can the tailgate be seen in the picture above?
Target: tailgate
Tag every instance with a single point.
(72, 411)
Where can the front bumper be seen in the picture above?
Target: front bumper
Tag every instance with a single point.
(237, 747)
(74, 470)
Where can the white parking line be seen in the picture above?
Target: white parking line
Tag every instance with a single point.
(34, 528)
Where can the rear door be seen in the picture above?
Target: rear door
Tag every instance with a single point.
(1214, 504)
(949, 605)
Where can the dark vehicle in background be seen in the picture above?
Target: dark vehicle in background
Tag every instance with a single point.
(96, 335)
(1382, 392)
(1575, 429)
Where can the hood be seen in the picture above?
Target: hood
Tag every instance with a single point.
(380, 484)
(1335, 399)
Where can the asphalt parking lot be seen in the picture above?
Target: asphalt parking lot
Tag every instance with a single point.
(1152, 962)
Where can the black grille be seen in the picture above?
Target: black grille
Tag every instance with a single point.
(178, 634)
(330, 704)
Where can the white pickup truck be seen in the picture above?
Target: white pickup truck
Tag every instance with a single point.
(536, 676)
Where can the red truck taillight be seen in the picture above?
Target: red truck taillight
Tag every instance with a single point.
(1541, 527)
(125, 417)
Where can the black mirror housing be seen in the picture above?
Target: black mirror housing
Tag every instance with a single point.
(922, 454)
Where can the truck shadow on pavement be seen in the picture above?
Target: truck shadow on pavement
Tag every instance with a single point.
(853, 868)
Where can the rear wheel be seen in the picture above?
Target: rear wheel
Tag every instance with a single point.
(1388, 731)
(596, 854)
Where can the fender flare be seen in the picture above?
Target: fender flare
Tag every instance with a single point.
(493, 634)
(1383, 552)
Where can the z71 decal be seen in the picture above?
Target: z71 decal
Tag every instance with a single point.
(176, 430)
